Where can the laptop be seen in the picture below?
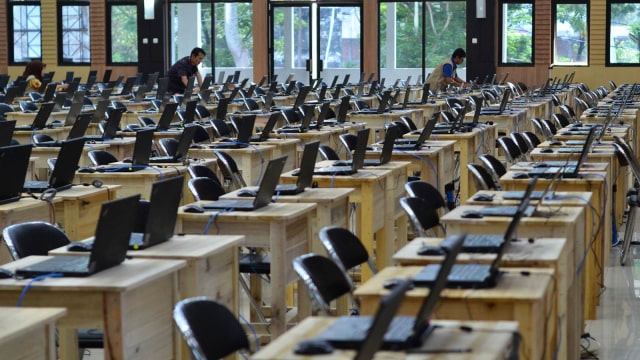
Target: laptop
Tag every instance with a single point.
(113, 230)
(59, 101)
(164, 123)
(503, 105)
(568, 172)
(183, 147)
(6, 131)
(63, 172)
(141, 154)
(40, 120)
(265, 190)
(403, 105)
(128, 85)
(245, 129)
(78, 130)
(266, 130)
(341, 116)
(404, 332)
(303, 127)
(72, 115)
(11, 93)
(382, 106)
(110, 127)
(324, 111)
(385, 155)
(476, 276)
(49, 93)
(416, 144)
(220, 78)
(14, 160)
(425, 95)
(357, 162)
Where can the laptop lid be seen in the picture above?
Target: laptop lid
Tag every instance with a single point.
(59, 100)
(161, 91)
(107, 75)
(452, 246)
(428, 128)
(115, 224)
(269, 182)
(40, 121)
(268, 100)
(307, 164)
(6, 131)
(112, 124)
(142, 89)
(205, 96)
(246, 129)
(302, 96)
(268, 127)
(361, 149)
(69, 77)
(262, 81)
(586, 149)
(14, 160)
(236, 76)
(73, 113)
(324, 110)
(11, 93)
(343, 109)
(386, 96)
(152, 79)
(476, 114)
(128, 85)
(504, 100)
(345, 81)
(80, 126)
(309, 112)
(100, 112)
(337, 92)
(49, 92)
(163, 210)
(189, 111)
(425, 93)
(67, 163)
(142, 147)
(220, 78)
(393, 132)
(164, 123)
(185, 141)
(105, 93)
(188, 91)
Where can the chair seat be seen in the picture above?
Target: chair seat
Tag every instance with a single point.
(90, 339)
(255, 263)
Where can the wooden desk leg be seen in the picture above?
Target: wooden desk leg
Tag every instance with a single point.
(68, 344)
(278, 281)
(366, 210)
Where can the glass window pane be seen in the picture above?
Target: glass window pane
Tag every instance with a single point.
(571, 35)
(624, 33)
(27, 39)
(291, 35)
(124, 34)
(517, 33)
(233, 35)
(339, 37)
(191, 27)
(75, 34)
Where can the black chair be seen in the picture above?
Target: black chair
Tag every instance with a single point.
(196, 171)
(521, 142)
(361, 105)
(203, 113)
(101, 157)
(40, 138)
(28, 106)
(568, 112)
(210, 330)
(511, 150)
(494, 167)
(327, 153)
(561, 120)
(422, 216)
(251, 104)
(549, 128)
(35, 96)
(291, 116)
(426, 192)
(5, 108)
(38, 238)
(146, 121)
(229, 169)
(201, 135)
(409, 123)
(481, 178)
(612, 85)
(119, 105)
(532, 139)
(204, 188)
(349, 142)
(169, 146)
(345, 248)
(627, 157)
(221, 129)
(324, 279)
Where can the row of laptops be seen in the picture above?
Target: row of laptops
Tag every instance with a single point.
(114, 233)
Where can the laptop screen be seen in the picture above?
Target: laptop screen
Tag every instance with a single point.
(14, 160)
(142, 147)
(163, 210)
(67, 163)
(6, 131)
(307, 164)
(587, 148)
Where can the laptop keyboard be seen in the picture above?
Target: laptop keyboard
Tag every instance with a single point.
(69, 264)
(161, 159)
(469, 272)
(505, 211)
(482, 243)
(518, 195)
(36, 184)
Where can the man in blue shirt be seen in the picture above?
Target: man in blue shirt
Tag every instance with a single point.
(445, 73)
(183, 69)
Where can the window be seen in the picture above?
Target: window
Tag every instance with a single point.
(571, 42)
(73, 32)
(25, 31)
(623, 40)
(123, 34)
(516, 33)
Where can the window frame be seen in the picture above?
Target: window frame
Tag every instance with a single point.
(607, 55)
(60, 4)
(500, 32)
(108, 33)
(555, 22)
(10, 29)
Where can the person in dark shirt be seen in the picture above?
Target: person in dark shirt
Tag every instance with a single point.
(183, 69)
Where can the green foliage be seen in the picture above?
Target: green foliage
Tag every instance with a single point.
(124, 34)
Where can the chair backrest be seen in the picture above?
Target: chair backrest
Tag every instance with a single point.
(327, 153)
(291, 116)
(169, 146)
(229, 169)
(101, 157)
(33, 238)
(561, 120)
(349, 141)
(409, 123)
(422, 216)
(38, 138)
(481, 178)
(5, 108)
(426, 192)
(568, 112)
(548, 126)
(221, 128)
(345, 248)
(324, 279)
(210, 330)
(196, 171)
(521, 142)
(204, 188)
(511, 150)
(201, 135)
(493, 166)
(531, 138)
(203, 113)
(146, 121)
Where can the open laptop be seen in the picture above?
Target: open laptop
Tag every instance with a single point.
(183, 147)
(266, 130)
(568, 171)
(14, 160)
(303, 127)
(74, 110)
(6, 131)
(110, 127)
(40, 120)
(324, 111)
(403, 105)
(11, 93)
(425, 95)
(141, 154)
(490, 110)
(405, 332)
(113, 230)
(476, 276)
(382, 105)
(164, 123)
(128, 85)
(265, 190)
(357, 162)
(245, 129)
(416, 144)
(78, 130)
(63, 172)
(385, 155)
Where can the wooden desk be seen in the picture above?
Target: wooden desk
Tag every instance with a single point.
(212, 267)
(376, 122)
(137, 182)
(44, 153)
(26, 118)
(24, 136)
(529, 300)
(551, 253)
(284, 229)
(24, 210)
(596, 243)
(120, 147)
(374, 213)
(251, 160)
(513, 119)
(492, 340)
(132, 303)
(288, 147)
(29, 333)
(79, 210)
